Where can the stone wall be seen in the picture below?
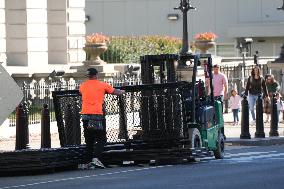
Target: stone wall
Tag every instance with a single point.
(42, 32)
(2, 32)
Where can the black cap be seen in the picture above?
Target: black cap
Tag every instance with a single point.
(91, 72)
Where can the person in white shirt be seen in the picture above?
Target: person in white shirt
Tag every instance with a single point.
(235, 105)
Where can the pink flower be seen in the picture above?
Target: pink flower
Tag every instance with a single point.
(96, 38)
(206, 36)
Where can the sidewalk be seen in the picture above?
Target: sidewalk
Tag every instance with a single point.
(233, 134)
(7, 135)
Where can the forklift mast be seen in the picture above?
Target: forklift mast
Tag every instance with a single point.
(159, 66)
(164, 66)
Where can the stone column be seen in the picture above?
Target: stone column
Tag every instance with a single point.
(16, 33)
(26, 30)
(37, 34)
(2, 32)
(76, 30)
(66, 31)
(57, 31)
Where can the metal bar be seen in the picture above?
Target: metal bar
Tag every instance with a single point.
(196, 59)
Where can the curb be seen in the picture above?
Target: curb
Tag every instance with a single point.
(269, 141)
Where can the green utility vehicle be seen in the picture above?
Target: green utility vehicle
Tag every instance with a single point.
(161, 120)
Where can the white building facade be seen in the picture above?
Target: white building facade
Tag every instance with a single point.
(229, 19)
(35, 34)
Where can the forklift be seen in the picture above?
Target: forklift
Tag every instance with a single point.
(161, 120)
(203, 113)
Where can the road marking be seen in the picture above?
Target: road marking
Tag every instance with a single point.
(250, 158)
(83, 177)
(248, 154)
(247, 157)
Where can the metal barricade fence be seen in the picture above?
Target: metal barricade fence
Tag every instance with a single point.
(145, 112)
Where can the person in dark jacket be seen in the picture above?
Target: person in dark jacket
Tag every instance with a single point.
(272, 88)
(255, 86)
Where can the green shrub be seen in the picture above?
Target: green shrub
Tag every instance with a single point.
(129, 49)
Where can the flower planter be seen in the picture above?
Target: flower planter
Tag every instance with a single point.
(93, 52)
(204, 45)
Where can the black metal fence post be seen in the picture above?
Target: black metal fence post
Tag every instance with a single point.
(274, 117)
(259, 118)
(22, 132)
(122, 133)
(245, 120)
(45, 127)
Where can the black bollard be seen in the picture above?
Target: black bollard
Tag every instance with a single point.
(274, 118)
(22, 133)
(259, 118)
(245, 120)
(26, 111)
(45, 127)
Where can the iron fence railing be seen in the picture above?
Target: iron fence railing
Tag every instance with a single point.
(238, 75)
(38, 93)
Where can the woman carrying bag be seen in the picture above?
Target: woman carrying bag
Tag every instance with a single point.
(272, 88)
(255, 86)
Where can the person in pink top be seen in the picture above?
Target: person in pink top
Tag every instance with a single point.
(220, 84)
(235, 105)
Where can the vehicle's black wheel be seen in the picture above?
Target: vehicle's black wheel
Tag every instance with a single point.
(195, 138)
(219, 153)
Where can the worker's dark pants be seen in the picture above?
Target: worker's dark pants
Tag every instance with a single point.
(95, 141)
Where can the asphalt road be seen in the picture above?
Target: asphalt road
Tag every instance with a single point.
(243, 167)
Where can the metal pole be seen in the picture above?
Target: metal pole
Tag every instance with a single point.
(22, 132)
(185, 6)
(245, 120)
(274, 118)
(184, 49)
(45, 127)
(255, 58)
(196, 59)
(259, 118)
(244, 68)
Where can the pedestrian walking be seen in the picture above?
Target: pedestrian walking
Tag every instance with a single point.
(235, 105)
(93, 92)
(272, 87)
(255, 86)
(220, 84)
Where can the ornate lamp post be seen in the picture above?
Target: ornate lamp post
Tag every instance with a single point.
(185, 6)
(243, 46)
(281, 58)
